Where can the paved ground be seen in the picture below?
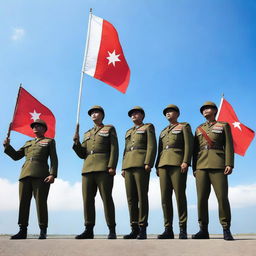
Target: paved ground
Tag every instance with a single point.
(244, 245)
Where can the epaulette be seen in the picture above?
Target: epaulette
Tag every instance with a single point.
(222, 122)
(88, 131)
(108, 125)
(183, 123)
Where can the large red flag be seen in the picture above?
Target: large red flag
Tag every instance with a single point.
(242, 135)
(104, 58)
(27, 110)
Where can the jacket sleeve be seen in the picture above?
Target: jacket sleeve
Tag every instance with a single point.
(151, 146)
(113, 157)
(188, 144)
(80, 149)
(15, 155)
(160, 149)
(195, 152)
(229, 148)
(54, 159)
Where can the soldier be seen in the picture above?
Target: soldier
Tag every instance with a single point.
(35, 177)
(99, 150)
(174, 157)
(213, 160)
(138, 159)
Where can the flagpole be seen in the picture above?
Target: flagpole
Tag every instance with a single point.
(221, 101)
(82, 72)
(14, 113)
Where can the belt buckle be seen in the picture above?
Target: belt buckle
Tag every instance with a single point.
(92, 152)
(132, 148)
(31, 159)
(167, 147)
(206, 147)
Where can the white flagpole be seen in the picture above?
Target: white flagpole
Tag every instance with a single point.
(221, 101)
(82, 72)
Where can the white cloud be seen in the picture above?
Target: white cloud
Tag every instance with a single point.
(66, 196)
(17, 34)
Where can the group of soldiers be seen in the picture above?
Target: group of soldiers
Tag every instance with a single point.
(211, 151)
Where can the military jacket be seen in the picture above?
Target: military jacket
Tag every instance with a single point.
(99, 149)
(140, 147)
(218, 155)
(37, 152)
(175, 145)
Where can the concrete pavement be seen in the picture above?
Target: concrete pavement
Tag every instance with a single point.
(244, 245)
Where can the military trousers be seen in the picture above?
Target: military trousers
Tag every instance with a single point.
(204, 179)
(91, 182)
(39, 189)
(136, 185)
(171, 179)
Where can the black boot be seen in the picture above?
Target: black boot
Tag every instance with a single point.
(112, 233)
(183, 233)
(22, 234)
(43, 233)
(142, 233)
(134, 233)
(227, 235)
(202, 234)
(167, 234)
(87, 234)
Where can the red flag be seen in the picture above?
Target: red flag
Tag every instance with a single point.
(27, 110)
(104, 57)
(242, 135)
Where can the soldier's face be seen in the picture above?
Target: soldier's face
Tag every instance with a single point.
(209, 112)
(96, 115)
(137, 116)
(39, 130)
(171, 114)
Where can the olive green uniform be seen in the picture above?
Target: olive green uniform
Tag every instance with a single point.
(175, 147)
(140, 150)
(33, 173)
(209, 162)
(99, 150)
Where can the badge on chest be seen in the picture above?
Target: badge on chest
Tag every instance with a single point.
(103, 133)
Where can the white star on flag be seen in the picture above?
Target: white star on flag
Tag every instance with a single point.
(113, 58)
(237, 125)
(34, 115)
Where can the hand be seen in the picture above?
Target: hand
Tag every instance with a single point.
(147, 167)
(112, 171)
(228, 170)
(49, 179)
(76, 136)
(123, 173)
(184, 167)
(6, 142)
(157, 172)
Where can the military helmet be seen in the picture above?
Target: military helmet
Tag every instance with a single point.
(171, 106)
(208, 104)
(40, 122)
(96, 107)
(136, 108)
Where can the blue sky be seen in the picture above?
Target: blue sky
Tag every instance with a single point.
(181, 52)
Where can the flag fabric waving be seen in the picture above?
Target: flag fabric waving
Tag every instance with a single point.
(242, 135)
(27, 110)
(104, 57)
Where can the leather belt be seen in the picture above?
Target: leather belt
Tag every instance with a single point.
(207, 147)
(97, 152)
(134, 148)
(34, 159)
(169, 146)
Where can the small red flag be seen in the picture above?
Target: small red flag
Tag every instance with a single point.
(104, 58)
(27, 110)
(242, 135)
